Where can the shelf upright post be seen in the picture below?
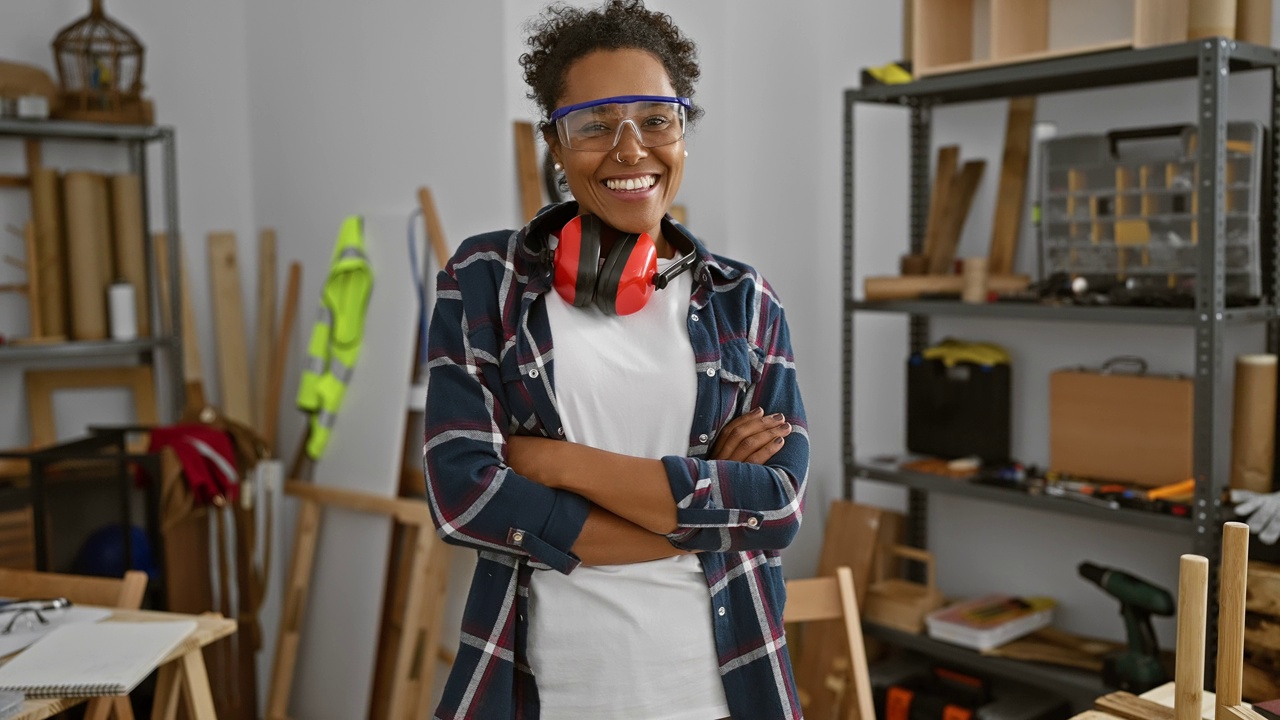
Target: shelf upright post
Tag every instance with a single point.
(1211, 150)
(921, 153)
(175, 274)
(846, 339)
(1271, 228)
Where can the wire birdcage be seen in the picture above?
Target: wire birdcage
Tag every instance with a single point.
(100, 65)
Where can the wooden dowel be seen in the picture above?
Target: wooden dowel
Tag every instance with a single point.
(1193, 588)
(435, 230)
(1232, 577)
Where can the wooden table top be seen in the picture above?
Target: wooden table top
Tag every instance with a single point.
(210, 628)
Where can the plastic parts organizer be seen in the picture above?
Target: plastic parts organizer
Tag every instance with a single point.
(1124, 205)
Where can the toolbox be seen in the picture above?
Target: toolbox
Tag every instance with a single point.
(958, 401)
(1120, 423)
(1124, 205)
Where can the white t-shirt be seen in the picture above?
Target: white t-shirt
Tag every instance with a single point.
(626, 641)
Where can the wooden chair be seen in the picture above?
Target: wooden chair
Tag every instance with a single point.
(17, 538)
(125, 593)
(833, 598)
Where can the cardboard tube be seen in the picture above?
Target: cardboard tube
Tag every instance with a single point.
(1253, 21)
(87, 252)
(102, 217)
(974, 275)
(46, 212)
(1188, 678)
(1211, 18)
(129, 244)
(1253, 427)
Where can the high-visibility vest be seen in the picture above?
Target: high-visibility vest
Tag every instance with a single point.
(337, 335)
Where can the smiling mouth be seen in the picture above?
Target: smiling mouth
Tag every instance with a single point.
(633, 184)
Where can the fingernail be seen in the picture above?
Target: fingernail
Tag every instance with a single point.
(758, 411)
(777, 441)
(778, 416)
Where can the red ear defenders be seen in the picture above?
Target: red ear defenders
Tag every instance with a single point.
(627, 278)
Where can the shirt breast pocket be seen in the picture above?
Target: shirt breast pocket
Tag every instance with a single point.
(502, 376)
(738, 375)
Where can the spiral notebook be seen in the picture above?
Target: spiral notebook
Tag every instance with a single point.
(87, 659)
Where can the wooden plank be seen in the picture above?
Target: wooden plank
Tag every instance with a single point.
(1237, 712)
(275, 386)
(951, 222)
(1131, 707)
(192, 368)
(1193, 588)
(432, 622)
(229, 330)
(527, 176)
(1029, 57)
(1262, 593)
(295, 604)
(857, 648)
(1011, 196)
(408, 511)
(264, 344)
(1231, 591)
(944, 172)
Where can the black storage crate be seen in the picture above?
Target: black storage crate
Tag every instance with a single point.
(958, 411)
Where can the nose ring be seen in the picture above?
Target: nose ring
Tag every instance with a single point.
(618, 156)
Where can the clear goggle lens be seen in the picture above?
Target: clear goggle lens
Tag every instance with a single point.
(597, 125)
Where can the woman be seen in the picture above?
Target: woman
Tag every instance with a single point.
(628, 477)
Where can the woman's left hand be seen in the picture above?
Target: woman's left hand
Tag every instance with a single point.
(751, 438)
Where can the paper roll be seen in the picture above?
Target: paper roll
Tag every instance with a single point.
(128, 240)
(122, 311)
(1211, 18)
(1253, 21)
(1253, 428)
(974, 272)
(46, 213)
(87, 252)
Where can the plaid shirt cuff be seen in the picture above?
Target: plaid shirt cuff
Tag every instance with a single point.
(551, 545)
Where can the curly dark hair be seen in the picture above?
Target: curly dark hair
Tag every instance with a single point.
(563, 34)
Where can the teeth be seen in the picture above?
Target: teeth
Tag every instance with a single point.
(640, 183)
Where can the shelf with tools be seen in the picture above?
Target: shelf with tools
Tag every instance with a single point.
(1079, 506)
(1207, 306)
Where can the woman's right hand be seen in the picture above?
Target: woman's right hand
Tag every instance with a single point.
(752, 438)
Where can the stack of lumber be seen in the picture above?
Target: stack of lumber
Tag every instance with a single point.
(1262, 633)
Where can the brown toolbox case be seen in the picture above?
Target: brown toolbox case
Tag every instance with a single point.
(1108, 424)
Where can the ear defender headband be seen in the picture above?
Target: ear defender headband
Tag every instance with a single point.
(627, 278)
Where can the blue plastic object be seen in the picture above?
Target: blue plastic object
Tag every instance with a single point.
(103, 552)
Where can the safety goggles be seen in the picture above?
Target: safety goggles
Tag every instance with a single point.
(597, 124)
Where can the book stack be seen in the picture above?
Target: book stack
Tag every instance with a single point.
(989, 621)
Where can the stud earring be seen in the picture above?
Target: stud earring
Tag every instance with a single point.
(558, 167)
(686, 153)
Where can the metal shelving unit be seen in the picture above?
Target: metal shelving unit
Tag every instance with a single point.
(136, 140)
(1209, 62)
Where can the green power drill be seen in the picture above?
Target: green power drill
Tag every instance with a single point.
(1137, 668)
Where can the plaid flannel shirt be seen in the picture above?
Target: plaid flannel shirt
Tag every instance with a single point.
(491, 375)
